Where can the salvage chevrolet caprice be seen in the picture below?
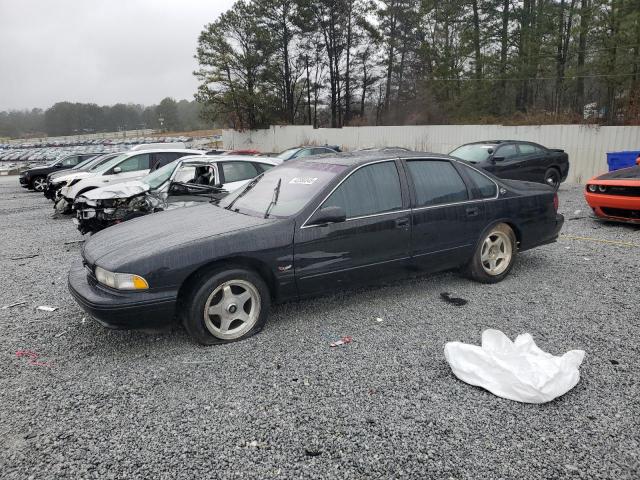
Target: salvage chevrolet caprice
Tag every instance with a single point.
(306, 227)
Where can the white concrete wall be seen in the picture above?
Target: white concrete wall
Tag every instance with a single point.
(586, 145)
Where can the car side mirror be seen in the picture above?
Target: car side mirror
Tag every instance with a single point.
(117, 170)
(498, 159)
(328, 215)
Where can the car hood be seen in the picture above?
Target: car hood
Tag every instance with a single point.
(632, 173)
(119, 190)
(69, 177)
(162, 232)
(38, 170)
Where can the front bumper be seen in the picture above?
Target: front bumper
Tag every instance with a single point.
(618, 208)
(51, 191)
(24, 182)
(121, 309)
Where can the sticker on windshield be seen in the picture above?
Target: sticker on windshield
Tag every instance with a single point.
(303, 180)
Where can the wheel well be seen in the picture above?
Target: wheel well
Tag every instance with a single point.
(516, 231)
(244, 262)
(512, 225)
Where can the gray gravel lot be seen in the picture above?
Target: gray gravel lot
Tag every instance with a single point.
(118, 404)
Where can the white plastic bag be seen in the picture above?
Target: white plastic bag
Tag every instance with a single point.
(515, 370)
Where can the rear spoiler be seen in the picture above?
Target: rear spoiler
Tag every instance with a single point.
(557, 150)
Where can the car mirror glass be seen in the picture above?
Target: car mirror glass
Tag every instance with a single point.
(328, 215)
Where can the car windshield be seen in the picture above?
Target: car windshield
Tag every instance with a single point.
(157, 178)
(107, 165)
(84, 163)
(282, 191)
(287, 153)
(474, 153)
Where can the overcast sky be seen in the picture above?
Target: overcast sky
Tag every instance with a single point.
(100, 51)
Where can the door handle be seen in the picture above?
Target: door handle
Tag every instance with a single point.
(472, 211)
(402, 222)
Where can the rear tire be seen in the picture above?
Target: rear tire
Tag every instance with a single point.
(226, 305)
(552, 178)
(494, 256)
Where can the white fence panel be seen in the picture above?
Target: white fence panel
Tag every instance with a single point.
(586, 145)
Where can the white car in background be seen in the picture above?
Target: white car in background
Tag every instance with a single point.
(188, 181)
(131, 165)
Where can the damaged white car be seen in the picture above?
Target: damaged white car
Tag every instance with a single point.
(129, 166)
(188, 181)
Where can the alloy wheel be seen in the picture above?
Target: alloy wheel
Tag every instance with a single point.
(496, 253)
(39, 184)
(232, 309)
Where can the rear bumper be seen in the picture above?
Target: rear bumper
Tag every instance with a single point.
(121, 309)
(552, 234)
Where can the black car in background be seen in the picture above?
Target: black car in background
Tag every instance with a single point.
(303, 228)
(300, 152)
(517, 160)
(36, 178)
(54, 185)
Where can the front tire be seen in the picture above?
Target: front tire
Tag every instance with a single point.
(39, 184)
(226, 305)
(494, 256)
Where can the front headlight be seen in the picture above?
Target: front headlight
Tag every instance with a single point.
(592, 188)
(73, 182)
(121, 281)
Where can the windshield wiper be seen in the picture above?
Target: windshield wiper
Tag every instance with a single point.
(276, 194)
(244, 192)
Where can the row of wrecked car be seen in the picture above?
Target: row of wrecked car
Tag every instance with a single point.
(107, 189)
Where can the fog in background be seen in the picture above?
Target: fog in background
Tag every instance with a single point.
(100, 51)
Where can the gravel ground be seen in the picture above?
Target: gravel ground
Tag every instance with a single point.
(117, 404)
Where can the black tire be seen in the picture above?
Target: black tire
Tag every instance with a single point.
(201, 293)
(552, 178)
(38, 183)
(479, 267)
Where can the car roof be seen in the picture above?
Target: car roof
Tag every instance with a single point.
(360, 158)
(207, 159)
(167, 150)
(498, 142)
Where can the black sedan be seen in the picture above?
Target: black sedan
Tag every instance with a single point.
(36, 178)
(300, 152)
(306, 227)
(517, 160)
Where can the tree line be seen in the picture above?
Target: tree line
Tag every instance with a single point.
(66, 118)
(376, 62)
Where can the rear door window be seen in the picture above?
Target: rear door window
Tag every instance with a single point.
(238, 171)
(507, 151)
(161, 159)
(368, 191)
(436, 182)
